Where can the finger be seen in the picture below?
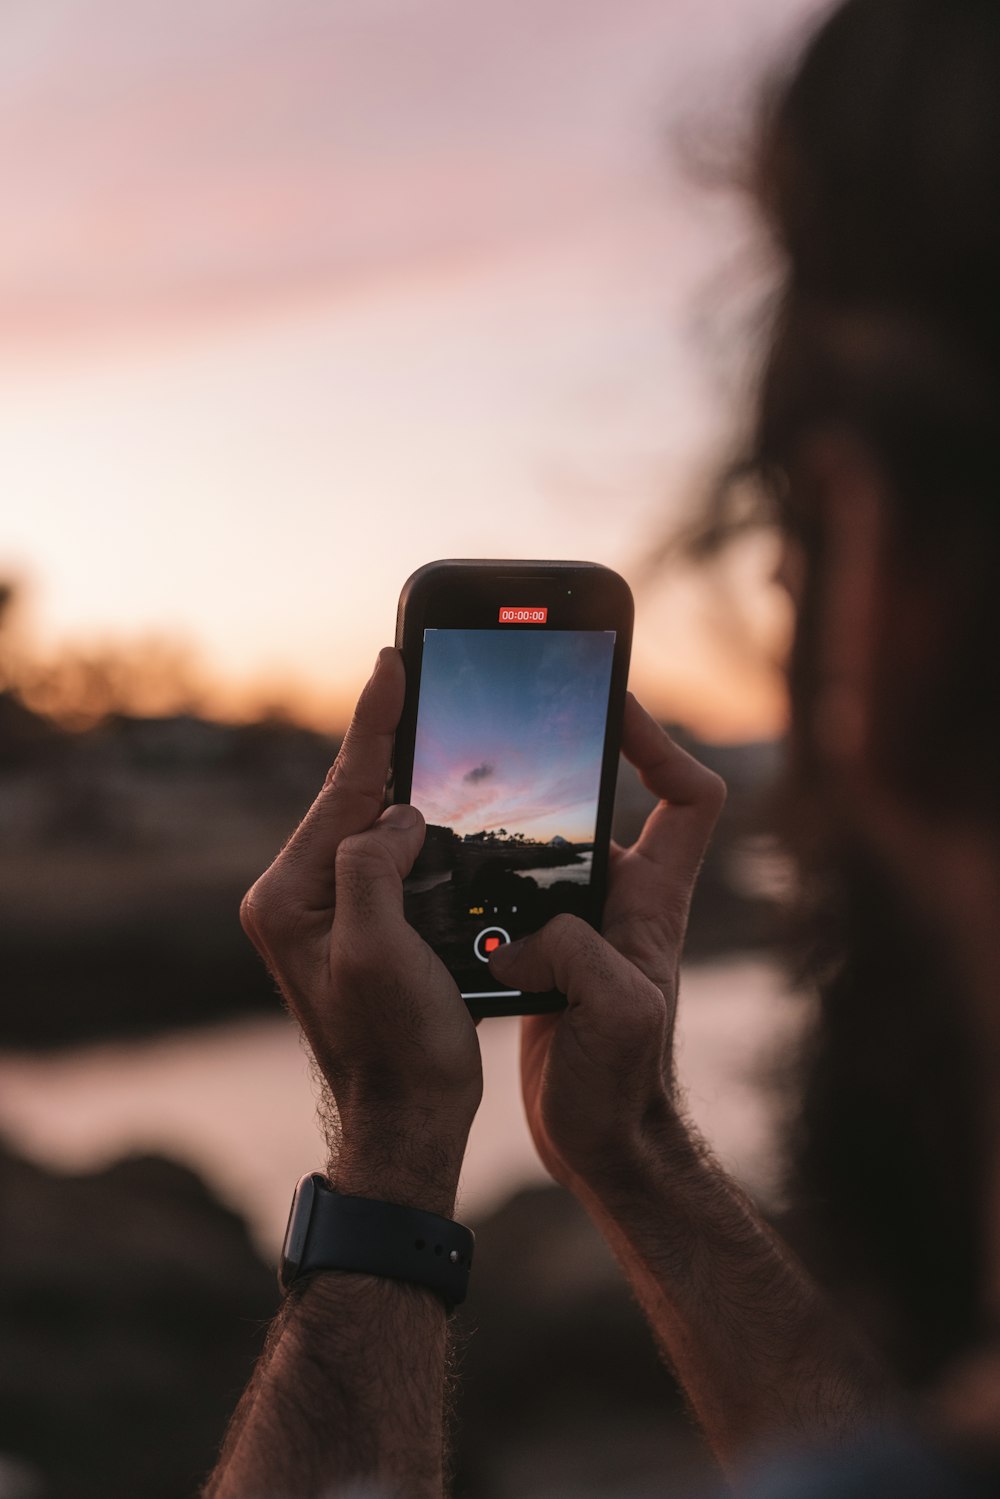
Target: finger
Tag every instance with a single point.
(370, 869)
(615, 1018)
(664, 768)
(354, 790)
(566, 955)
(691, 796)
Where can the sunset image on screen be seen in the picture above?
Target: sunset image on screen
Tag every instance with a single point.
(510, 732)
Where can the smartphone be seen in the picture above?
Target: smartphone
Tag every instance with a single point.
(509, 741)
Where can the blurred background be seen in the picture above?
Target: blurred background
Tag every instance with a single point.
(295, 297)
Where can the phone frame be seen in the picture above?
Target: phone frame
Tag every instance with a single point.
(468, 594)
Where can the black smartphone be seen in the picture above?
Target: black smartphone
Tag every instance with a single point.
(515, 689)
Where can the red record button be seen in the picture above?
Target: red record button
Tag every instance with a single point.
(489, 939)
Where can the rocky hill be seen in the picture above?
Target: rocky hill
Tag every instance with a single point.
(132, 1308)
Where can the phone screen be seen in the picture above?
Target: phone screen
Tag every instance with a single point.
(508, 753)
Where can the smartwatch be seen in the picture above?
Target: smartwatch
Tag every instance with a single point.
(328, 1231)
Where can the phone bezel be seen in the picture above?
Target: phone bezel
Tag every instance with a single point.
(468, 594)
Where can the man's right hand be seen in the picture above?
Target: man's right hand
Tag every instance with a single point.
(384, 1019)
(350, 1391)
(596, 1074)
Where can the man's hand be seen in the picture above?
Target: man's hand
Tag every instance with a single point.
(385, 1021)
(350, 1389)
(763, 1358)
(594, 1074)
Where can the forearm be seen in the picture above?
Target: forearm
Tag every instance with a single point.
(352, 1385)
(760, 1353)
(351, 1389)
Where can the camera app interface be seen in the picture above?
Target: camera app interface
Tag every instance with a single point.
(506, 771)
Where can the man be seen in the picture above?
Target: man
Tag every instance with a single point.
(878, 443)
(351, 1385)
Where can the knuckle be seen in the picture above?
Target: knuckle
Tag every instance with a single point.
(248, 913)
(576, 951)
(362, 866)
(346, 782)
(650, 1005)
(716, 790)
(335, 770)
(565, 929)
(255, 906)
(267, 909)
(361, 856)
(640, 1022)
(351, 964)
(560, 941)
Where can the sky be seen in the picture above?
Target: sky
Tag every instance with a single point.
(510, 730)
(295, 298)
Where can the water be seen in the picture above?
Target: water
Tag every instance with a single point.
(235, 1100)
(577, 873)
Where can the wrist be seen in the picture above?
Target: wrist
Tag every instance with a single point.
(657, 1142)
(333, 1232)
(432, 1191)
(394, 1165)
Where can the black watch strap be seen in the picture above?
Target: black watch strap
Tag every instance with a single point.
(328, 1231)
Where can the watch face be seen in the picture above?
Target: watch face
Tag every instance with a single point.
(294, 1246)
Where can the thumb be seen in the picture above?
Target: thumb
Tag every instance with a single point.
(609, 1045)
(371, 867)
(569, 956)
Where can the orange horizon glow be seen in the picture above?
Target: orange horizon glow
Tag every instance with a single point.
(299, 299)
(715, 702)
